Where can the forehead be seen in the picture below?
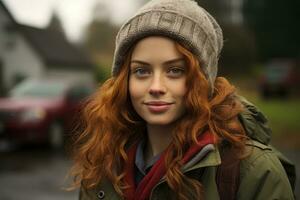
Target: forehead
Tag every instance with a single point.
(155, 48)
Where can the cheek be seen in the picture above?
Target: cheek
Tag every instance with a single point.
(178, 88)
(182, 90)
(136, 89)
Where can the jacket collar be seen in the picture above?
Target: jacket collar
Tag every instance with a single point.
(212, 158)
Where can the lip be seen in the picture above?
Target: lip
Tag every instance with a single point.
(158, 106)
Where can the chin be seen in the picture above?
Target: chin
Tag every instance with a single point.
(160, 121)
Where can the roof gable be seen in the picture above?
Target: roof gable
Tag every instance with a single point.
(51, 44)
(54, 48)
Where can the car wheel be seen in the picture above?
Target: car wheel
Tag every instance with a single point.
(56, 135)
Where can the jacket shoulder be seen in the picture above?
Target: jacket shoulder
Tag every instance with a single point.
(104, 190)
(262, 175)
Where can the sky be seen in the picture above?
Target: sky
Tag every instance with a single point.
(74, 14)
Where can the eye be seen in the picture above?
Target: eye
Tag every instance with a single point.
(175, 72)
(141, 72)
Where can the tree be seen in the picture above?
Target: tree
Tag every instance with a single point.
(55, 24)
(100, 36)
(275, 24)
(99, 40)
(239, 51)
(217, 8)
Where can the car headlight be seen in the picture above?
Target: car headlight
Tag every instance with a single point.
(33, 114)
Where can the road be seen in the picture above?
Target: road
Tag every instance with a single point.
(34, 174)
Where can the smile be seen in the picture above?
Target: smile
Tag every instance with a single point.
(158, 106)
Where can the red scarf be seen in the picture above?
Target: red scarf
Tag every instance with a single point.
(144, 188)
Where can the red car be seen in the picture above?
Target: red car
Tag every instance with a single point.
(280, 78)
(39, 111)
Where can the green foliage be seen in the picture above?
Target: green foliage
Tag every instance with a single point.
(276, 26)
(55, 24)
(239, 52)
(100, 37)
(216, 8)
(283, 114)
(99, 43)
(239, 45)
(102, 73)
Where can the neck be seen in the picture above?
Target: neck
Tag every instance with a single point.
(159, 137)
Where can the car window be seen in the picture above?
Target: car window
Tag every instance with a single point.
(277, 72)
(79, 92)
(38, 89)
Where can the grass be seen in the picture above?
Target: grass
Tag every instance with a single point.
(283, 115)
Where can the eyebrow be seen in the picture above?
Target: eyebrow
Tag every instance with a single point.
(167, 62)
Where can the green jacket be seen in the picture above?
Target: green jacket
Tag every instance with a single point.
(262, 176)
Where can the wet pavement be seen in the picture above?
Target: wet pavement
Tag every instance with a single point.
(39, 174)
(34, 174)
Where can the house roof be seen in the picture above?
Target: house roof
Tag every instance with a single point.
(7, 11)
(52, 45)
(54, 48)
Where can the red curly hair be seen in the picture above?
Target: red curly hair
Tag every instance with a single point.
(109, 120)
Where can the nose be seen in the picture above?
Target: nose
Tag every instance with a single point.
(157, 86)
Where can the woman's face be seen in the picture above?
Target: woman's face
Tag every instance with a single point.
(157, 80)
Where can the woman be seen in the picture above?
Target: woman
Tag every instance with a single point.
(157, 129)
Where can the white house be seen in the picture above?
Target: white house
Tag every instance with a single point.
(29, 52)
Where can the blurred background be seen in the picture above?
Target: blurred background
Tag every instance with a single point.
(54, 54)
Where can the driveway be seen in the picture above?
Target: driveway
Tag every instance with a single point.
(34, 174)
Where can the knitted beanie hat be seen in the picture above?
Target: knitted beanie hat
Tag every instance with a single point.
(181, 20)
